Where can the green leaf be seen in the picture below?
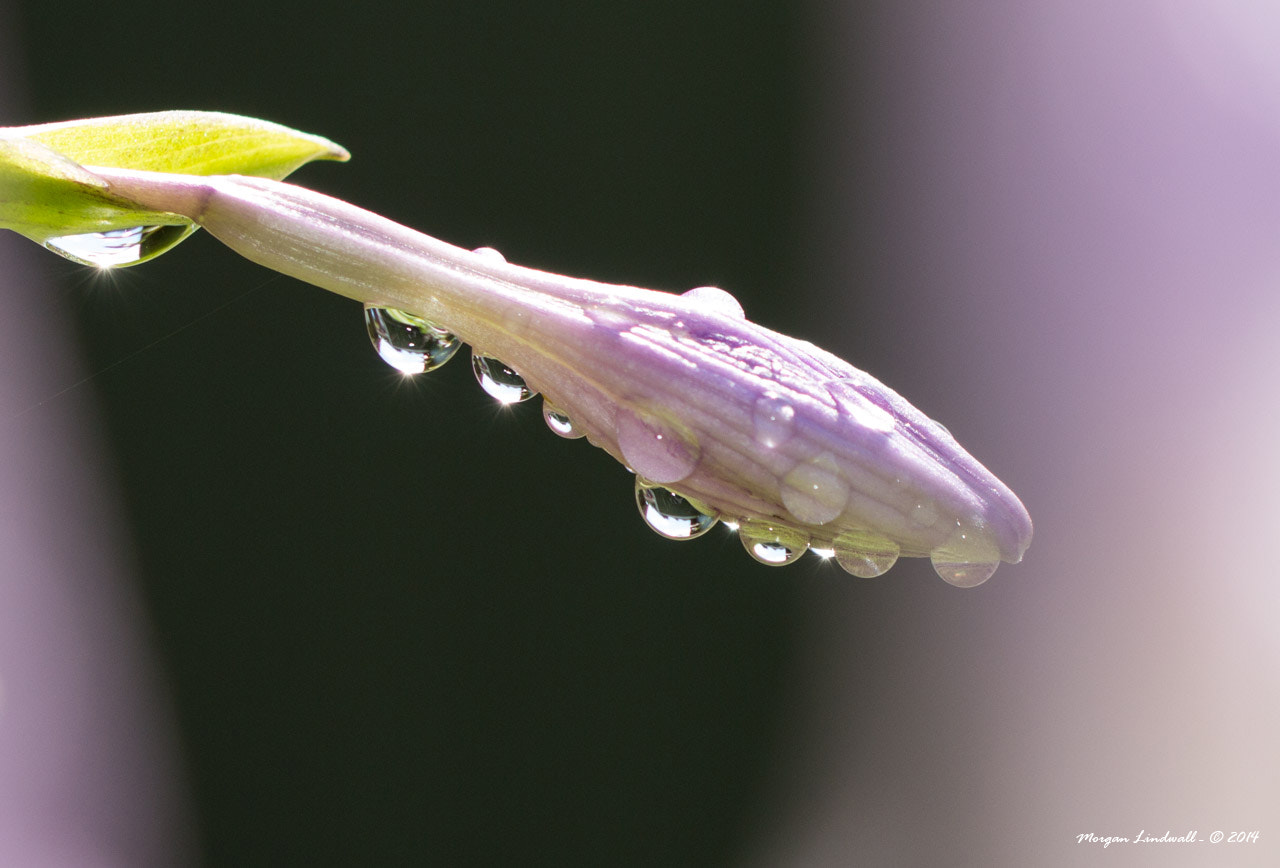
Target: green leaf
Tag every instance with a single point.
(48, 194)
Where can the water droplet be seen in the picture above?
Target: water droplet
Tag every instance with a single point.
(863, 404)
(489, 253)
(118, 247)
(408, 343)
(772, 544)
(613, 316)
(500, 381)
(963, 575)
(865, 554)
(655, 447)
(558, 422)
(670, 514)
(924, 514)
(718, 300)
(814, 491)
(967, 559)
(773, 420)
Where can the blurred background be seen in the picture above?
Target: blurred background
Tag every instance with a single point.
(263, 602)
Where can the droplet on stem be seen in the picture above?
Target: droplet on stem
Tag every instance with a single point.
(499, 380)
(408, 343)
(489, 253)
(718, 300)
(670, 514)
(773, 420)
(967, 559)
(655, 447)
(559, 422)
(865, 554)
(773, 545)
(814, 491)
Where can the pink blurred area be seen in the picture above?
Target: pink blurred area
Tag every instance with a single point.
(88, 770)
(1063, 241)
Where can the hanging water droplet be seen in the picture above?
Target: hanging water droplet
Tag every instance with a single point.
(865, 554)
(772, 544)
(963, 575)
(408, 343)
(718, 300)
(773, 420)
(655, 447)
(670, 514)
(499, 380)
(117, 247)
(558, 422)
(489, 253)
(814, 491)
(967, 559)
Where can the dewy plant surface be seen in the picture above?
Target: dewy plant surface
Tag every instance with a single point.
(718, 417)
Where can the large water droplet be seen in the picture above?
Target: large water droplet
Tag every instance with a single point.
(772, 544)
(655, 447)
(559, 422)
(865, 554)
(500, 381)
(960, 574)
(814, 491)
(117, 247)
(718, 300)
(670, 514)
(408, 343)
(773, 420)
(967, 559)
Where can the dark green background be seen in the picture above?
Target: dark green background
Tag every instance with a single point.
(399, 623)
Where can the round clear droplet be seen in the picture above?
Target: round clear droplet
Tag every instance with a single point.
(489, 253)
(718, 300)
(773, 420)
(963, 574)
(815, 491)
(408, 343)
(967, 559)
(770, 544)
(118, 247)
(499, 380)
(670, 514)
(559, 422)
(864, 554)
(655, 447)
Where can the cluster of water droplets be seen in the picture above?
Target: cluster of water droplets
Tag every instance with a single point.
(662, 451)
(414, 345)
(659, 448)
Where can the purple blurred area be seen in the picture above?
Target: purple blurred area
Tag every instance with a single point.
(1070, 216)
(88, 769)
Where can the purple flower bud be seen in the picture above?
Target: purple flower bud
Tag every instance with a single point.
(798, 447)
